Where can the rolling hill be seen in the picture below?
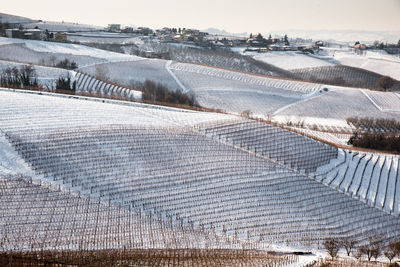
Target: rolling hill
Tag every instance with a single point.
(235, 180)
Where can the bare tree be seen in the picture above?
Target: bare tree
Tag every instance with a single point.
(374, 247)
(246, 113)
(332, 246)
(385, 82)
(389, 253)
(376, 252)
(348, 243)
(395, 246)
(365, 249)
(358, 254)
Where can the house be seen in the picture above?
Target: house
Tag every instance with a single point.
(360, 46)
(114, 27)
(32, 34)
(144, 31)
(318, 44)
(128, 30)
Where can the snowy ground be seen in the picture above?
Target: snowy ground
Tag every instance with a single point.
(46, 75)
(374, 60)
(137, 71)
(11, 162)
(40, 48)
(290, 60)
(62, 26)
(123, 150)
(338, 105)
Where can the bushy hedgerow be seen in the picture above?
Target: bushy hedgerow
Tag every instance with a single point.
(378, 141)
(156, 92)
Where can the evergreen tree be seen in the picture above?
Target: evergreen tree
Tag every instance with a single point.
(285, 40)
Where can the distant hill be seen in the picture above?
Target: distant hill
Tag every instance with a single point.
(63, 26)
(7, 18)
(49, 25)
(216, 31)
(343, 35)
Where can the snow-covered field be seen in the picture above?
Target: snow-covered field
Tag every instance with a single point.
(46, 75)
(212, 173)
(372, 178)
(375, 61)
(339, 104)
(32, 51)
(269, 85)
(384, 101)
(127, 73)
(281, 100)
(290, 60)
(62, 26)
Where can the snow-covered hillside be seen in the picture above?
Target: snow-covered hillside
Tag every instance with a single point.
(290, 60)
(54, 26)
(375, 61)
(47, 76)
(190, 171)
(127, 73)
(338, 105)
(373, 178)
(41, 52)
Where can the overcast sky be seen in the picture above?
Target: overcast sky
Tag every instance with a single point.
(231, 15)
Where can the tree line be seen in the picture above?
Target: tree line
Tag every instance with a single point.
(25, 77)
(379, 134)
(156, 92)
(374, 248)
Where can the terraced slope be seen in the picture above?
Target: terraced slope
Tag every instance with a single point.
(159, 161)
(36, 217)
(342, 75)
(272, 86)
(88, 84)
(284, 147)
(384, 101)
(372, 178)
(49, 53)
(340, 104)
(127, 73)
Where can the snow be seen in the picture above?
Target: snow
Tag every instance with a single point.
(126, 73)
(384, 101)
(383, 183)
(236, 100)
(167, 65)
(10, 161)
(160, 160)
(391, 186)
(94, 111)
(71, 49)
(338, 104)
(290, 60)
(375, 61)
(358, 176)
(46, 75)
(375, 178)
(281, 87)
(62, 26)
(369, 177)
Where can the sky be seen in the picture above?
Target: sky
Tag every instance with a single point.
(231, 15)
